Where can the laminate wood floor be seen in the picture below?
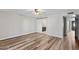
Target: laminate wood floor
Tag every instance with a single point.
(39, 41)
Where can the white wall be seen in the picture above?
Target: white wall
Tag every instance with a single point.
(29, 25)
(55, 25)
(12, 25)
(39, 25)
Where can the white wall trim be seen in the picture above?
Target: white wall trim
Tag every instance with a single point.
(56, 35)
(15, 36)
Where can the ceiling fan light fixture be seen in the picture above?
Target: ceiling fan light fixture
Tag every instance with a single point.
(36, 11)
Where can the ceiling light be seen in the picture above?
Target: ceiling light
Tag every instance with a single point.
(36, 11)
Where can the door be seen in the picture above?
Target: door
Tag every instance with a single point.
(65, 26)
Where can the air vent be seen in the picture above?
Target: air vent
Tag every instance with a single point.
(70, 12)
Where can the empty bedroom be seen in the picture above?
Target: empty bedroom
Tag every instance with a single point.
(39, 29)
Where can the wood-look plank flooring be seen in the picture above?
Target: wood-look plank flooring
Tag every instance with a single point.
(39, 41)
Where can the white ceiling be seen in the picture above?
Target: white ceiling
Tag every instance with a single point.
(45, 12)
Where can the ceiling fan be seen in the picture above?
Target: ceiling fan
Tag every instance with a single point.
(37, 12)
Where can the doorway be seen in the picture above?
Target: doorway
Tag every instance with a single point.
(77, 28)
(73, 25)
(69, 30)
(69, 24)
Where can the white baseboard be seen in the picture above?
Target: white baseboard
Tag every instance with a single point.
(56, 35)
(29, 33)
(15, 36)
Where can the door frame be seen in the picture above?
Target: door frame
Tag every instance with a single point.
(64, 26)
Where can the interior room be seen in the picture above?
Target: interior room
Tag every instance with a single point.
(39, 29)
